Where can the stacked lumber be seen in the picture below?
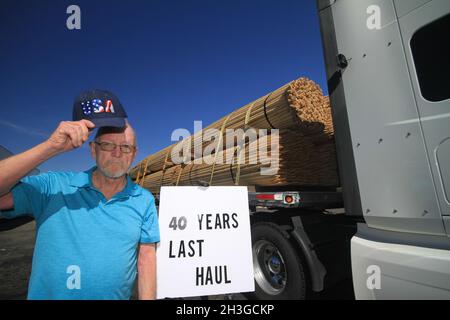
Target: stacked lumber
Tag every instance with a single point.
(304, 146)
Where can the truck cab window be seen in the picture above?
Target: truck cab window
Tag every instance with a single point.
(430, 47)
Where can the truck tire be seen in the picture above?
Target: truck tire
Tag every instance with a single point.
(279, 273)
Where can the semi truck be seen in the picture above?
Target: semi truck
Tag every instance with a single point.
(387, 228)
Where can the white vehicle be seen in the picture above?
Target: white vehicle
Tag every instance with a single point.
(388, 71)
(8, 224)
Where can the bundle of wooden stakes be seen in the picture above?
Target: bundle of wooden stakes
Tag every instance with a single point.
(301, 152)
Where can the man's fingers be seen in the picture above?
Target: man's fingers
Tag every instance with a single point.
(82, 129)
(89, 124)
(68, 131)
(77, 131)
(70, 134)
(80, 135)
(88, 128)
(75, 134)
(74, 138)
(84, 132)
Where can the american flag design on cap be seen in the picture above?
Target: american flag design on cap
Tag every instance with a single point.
(96, 106)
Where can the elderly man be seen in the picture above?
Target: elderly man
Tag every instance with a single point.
(95, 229)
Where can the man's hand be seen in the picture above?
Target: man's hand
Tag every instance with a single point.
(70, 135)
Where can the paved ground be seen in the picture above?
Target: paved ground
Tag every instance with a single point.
(16, 251)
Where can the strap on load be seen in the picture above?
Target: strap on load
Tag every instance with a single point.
(144, 174)
(138, 174)
(219, 146)
(182, 166)
(164, 166)
(239, 149)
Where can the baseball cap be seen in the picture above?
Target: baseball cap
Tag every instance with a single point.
(101, 107)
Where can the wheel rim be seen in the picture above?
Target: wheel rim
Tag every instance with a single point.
(269, 267)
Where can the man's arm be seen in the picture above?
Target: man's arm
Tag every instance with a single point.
(147, 271)
(68, 136)
(6, 201)
(14, 168)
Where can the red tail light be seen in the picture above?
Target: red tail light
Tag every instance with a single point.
(265, 196)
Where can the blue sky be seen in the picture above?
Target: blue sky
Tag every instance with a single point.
(170, 62)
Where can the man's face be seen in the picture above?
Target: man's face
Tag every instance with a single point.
(115, 163)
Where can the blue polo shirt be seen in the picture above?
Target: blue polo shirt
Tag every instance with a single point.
(86, 246)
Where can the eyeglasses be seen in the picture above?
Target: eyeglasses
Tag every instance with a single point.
(109, 146)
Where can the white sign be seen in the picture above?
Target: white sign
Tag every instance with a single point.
(205, 246)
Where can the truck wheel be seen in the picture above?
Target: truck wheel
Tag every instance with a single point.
(278, 270)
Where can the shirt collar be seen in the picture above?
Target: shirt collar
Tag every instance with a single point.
(84, 180)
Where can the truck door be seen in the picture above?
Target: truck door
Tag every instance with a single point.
(425, 36)
(377, 99)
